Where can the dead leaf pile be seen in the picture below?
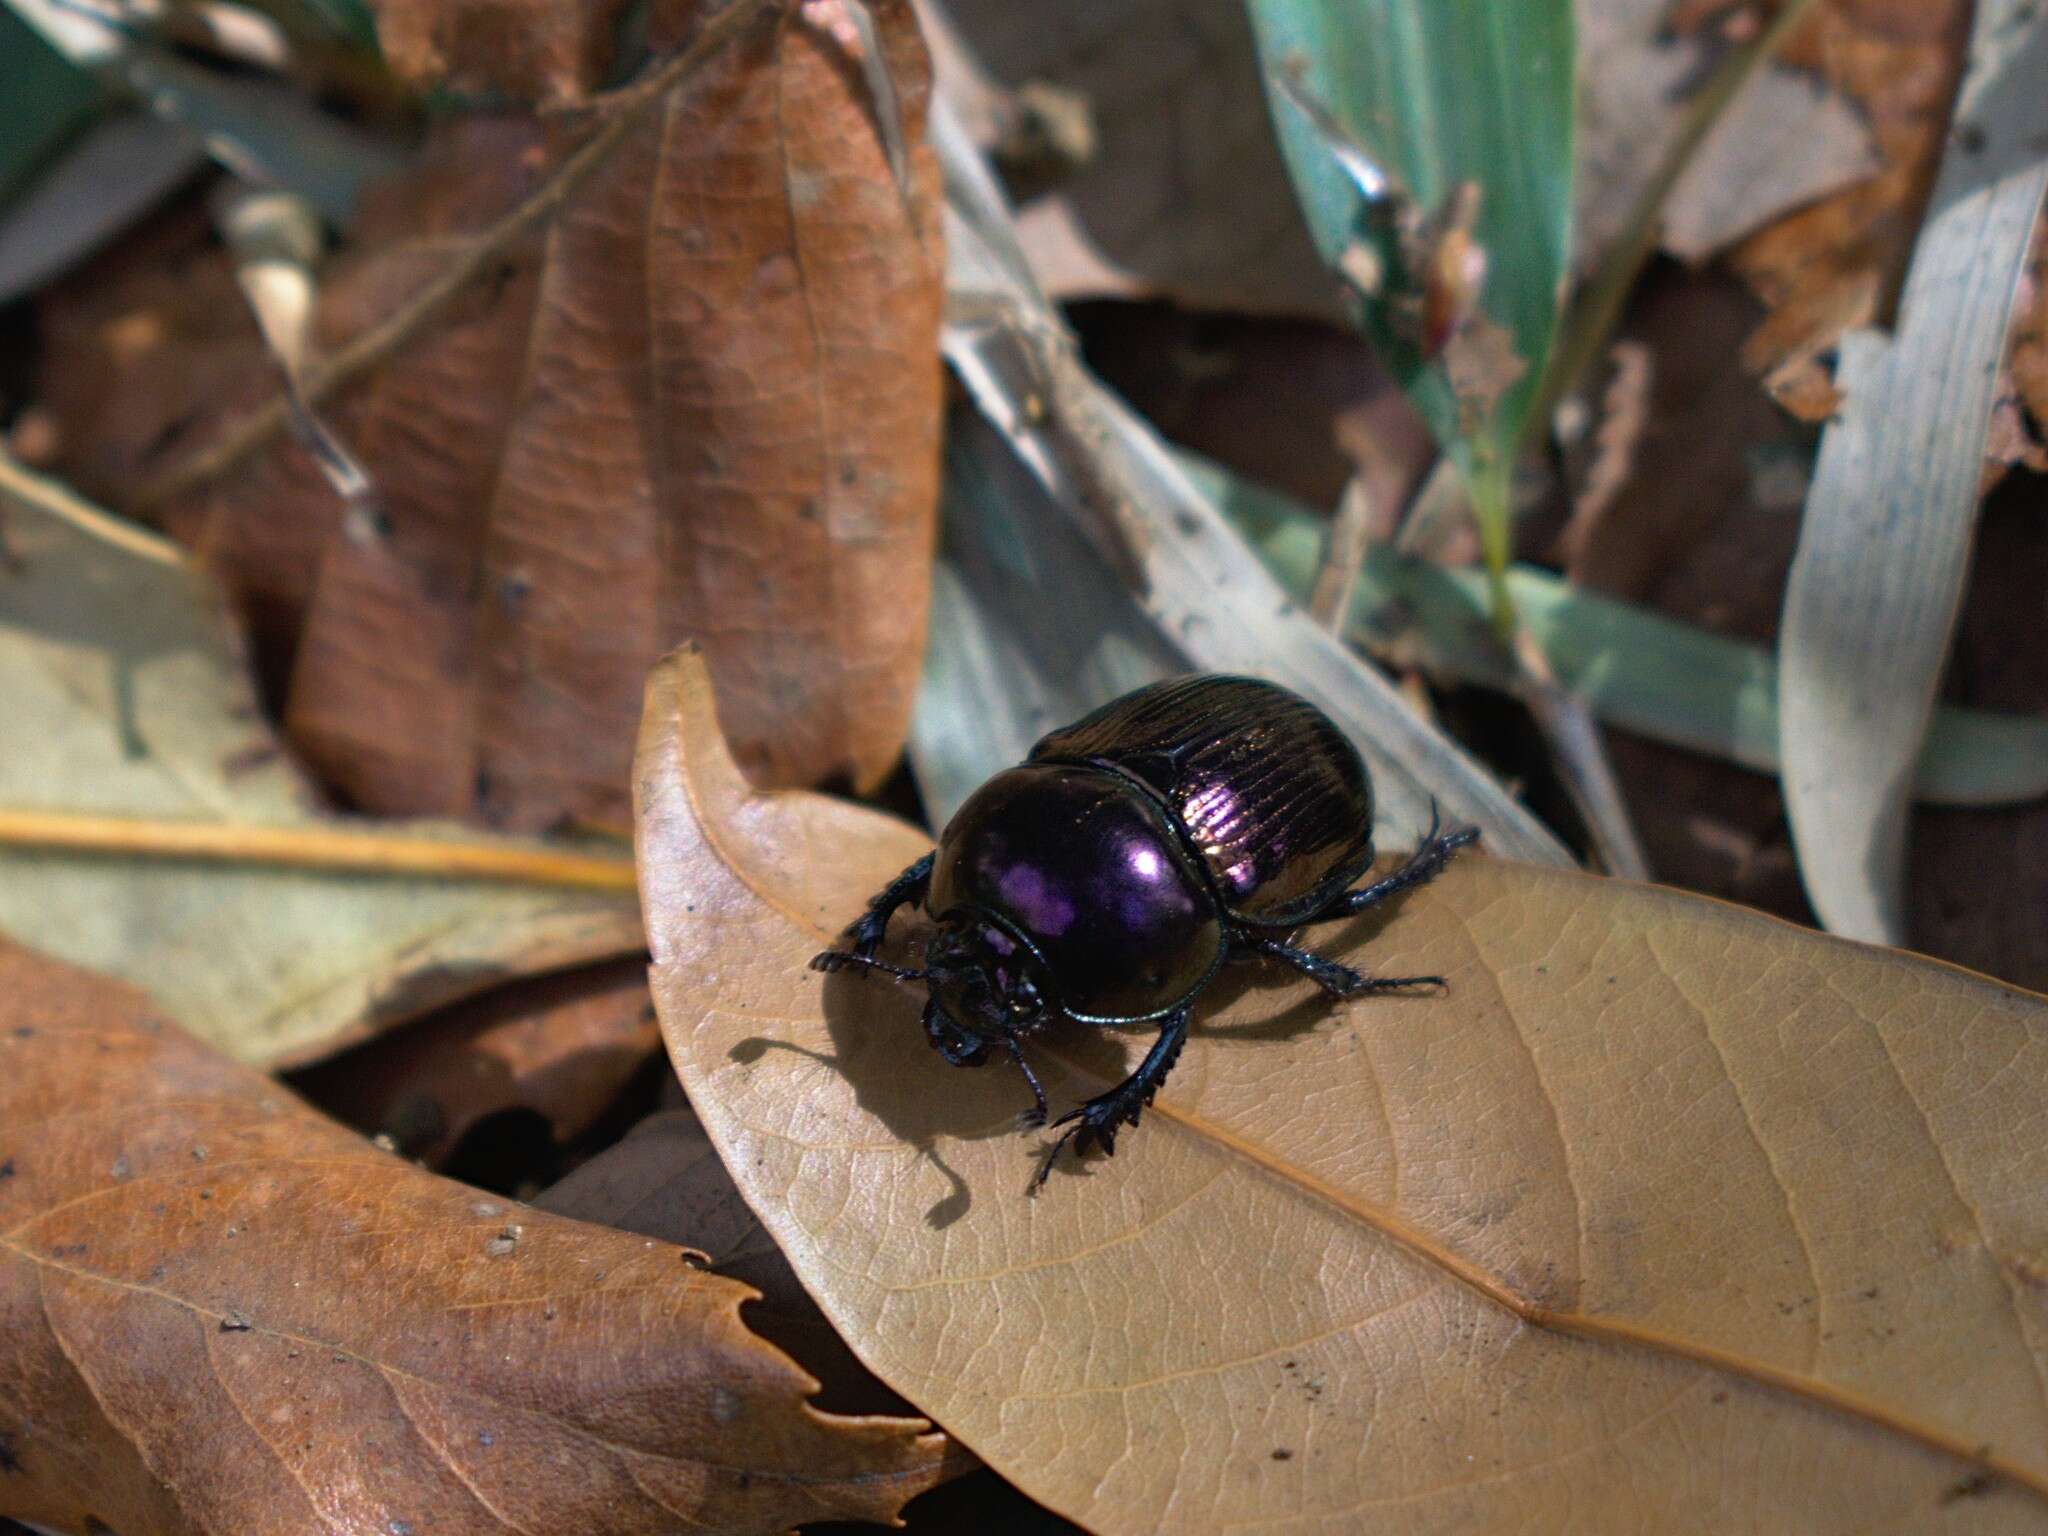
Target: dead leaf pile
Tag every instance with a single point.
(221, 1312)
(1667, 1218)
(702, 399)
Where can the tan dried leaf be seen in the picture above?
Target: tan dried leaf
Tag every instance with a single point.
(223, 1313)
(1667, 1218)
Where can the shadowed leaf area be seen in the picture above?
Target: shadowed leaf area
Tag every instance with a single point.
(222, 1313)
(1667, 1217)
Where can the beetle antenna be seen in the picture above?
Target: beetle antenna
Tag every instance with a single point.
(839, 960)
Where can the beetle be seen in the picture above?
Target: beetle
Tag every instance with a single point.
(1108, 877)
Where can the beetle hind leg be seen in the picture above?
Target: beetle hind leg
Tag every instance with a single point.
(1338, 980)
(1423, 866)
(1095, 1122)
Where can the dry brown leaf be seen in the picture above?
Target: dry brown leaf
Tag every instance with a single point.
(221, 1312)
(1668, 1218)
(704, 401)
(1832, 266)
(562, 1046)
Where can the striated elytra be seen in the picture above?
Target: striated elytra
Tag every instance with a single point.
(1107, 877)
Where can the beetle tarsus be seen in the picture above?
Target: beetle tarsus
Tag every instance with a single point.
(839, 960)
(1338, 980)
(1095, 1122)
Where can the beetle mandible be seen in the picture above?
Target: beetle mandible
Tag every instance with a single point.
(1107, 878)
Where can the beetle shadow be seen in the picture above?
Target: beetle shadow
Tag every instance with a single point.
(879, 1047)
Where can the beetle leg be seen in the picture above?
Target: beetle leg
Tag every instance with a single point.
(1095, 1122)
(951, 1041)
(1332, 977)
(1032, 1118)
(866, 931)
(1424, 866)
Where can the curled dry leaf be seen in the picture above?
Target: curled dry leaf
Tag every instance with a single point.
(221, 1312)
(1667, 1217)
(563, 1046)
(123, 693)
(1831, 266)
(702, 400)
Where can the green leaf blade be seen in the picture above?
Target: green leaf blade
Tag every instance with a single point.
(1443, 92)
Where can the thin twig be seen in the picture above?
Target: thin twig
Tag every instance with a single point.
(1593, 318)
(1573, 736)
(46, 495)
(372, 346)
(1344, 549)
(340, 850)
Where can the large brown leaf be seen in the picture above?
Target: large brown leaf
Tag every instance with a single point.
(703, 400)
(1668, 1217)
(220, 1312)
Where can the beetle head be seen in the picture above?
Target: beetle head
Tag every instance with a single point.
(985, 983)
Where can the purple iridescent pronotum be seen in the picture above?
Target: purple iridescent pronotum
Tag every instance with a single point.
(1108, 877)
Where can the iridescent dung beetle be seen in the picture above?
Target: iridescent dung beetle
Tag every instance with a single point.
(1109, 876)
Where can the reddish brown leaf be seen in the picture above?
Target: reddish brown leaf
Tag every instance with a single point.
(562, 1045)
(220, 1312)
(703, 402)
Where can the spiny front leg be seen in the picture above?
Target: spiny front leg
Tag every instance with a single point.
(1340, 980)
(867, 930)
(1423, 866)
(1095, 1122)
